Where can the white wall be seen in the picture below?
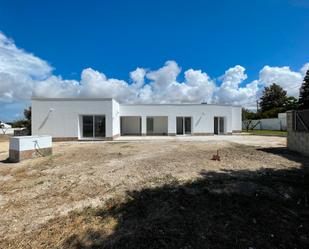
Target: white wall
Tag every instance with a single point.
(62, 117)
(270, 123)
(202, 115)
(236, 116)
(131, 125)
(160, 125)
(116, 118)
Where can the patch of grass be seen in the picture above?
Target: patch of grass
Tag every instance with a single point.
(267, 133)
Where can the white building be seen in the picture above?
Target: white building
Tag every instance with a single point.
(105, 118)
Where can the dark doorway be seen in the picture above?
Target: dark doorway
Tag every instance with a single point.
(179, 125)
(219, 125)
(187, 125)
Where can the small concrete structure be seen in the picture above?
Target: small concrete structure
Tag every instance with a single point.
(26, 147)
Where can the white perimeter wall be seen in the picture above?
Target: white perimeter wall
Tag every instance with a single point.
(62, 118)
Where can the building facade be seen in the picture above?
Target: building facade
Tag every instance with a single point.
(105, 118)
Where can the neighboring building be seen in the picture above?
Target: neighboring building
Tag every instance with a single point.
(105, 118)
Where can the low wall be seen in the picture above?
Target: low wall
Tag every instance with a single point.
(275, 124)
(26, 147)
(297, 140)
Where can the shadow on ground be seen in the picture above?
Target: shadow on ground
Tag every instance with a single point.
(230, 209)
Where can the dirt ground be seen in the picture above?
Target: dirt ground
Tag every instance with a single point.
(53, 202)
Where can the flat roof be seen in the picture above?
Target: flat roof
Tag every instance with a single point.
(71, 99)
(138, 104)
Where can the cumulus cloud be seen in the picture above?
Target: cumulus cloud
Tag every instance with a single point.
(289, 80)
(23, 75)
(230, 91)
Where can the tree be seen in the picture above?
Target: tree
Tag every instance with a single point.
(273, 97)
(249, 115)
(304, 93)
(27, 114)
(291, 103)
(25, 122)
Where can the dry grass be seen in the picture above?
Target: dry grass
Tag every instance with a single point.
(66, 200)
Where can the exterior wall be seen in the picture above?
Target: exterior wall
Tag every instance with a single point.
(236, 119)
(297, 141)
(116, 119)
(26, 147)
(61, 118)
(131, 125)
(160, 125)
(202, 115)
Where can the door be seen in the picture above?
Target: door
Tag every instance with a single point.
(187, 125)
(216, 128)
(99, 126)
(94, 126)
(149, 125)
(87, 126)
(219, 125)
(179, 123)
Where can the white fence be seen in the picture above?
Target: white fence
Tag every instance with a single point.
(278, 124)
(8, 131)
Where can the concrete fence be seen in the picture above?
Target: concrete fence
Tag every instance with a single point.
(296, 140)
(275, 124)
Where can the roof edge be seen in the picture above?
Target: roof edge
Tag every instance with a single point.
(72, 99)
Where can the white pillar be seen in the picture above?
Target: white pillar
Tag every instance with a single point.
(172, 125)
(144, 125)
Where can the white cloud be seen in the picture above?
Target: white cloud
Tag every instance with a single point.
(230, 91)
(304, 69)
(22, 75)
(289, 80)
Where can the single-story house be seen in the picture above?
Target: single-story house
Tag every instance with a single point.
(105, 118)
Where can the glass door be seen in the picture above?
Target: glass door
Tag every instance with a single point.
(87, 126)
(149, 125)
(93, 126)
(99, 126)
(221, 125)
(179, 124)
(187, 125)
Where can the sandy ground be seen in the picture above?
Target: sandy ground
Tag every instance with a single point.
(81, 174)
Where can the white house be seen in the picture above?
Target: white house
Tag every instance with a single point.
(105, 118)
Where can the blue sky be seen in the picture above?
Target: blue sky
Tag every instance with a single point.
(116, 37)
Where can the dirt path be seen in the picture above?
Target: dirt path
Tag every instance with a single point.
(87, 174)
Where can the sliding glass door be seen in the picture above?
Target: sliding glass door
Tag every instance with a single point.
(93, 126)
(183, 125)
